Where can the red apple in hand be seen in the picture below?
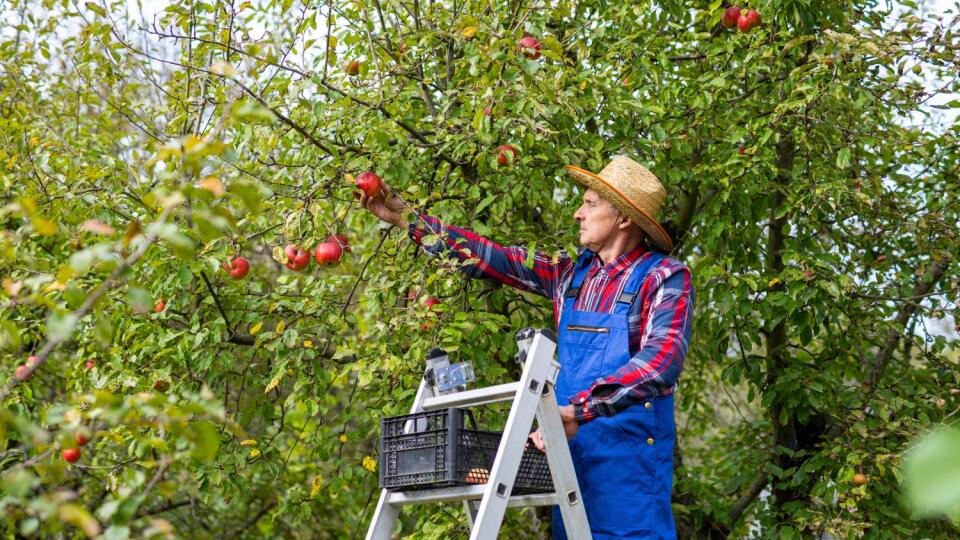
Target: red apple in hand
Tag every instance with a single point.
(237, 267)
(328, 253)
(730, 16)
(297, 258)
(71, 455)
(353, 68)
(531, 47)
(502, 158)
(369, 183)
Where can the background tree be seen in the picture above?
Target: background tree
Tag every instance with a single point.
(812, 181)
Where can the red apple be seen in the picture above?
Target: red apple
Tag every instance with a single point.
(81, 439)
(237, 267)
(297, 258)
(71, 455)
(531, 47)
(730, 16)
(741, 150)
(353, 68)
(487, 111)
(340, 240)
(32, 359)
(158, 307)
(369, 183)
(502, 158)
(430, 302)
(89, 364)
(748, 20)
(328, 253)
(161, 385)
(21, 372)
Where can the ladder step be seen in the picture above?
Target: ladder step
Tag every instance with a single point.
(466, 493)
(468, 398)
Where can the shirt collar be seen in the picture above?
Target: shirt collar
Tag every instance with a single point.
(622, 262)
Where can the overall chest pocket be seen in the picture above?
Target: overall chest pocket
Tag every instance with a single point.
(584, 347)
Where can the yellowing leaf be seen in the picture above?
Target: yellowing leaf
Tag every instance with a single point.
(248, 442)
(255, 452)
(94, 226)
(773, 282)
(212, 184)
(80, 518)
(133, 231)
(273, 383)
(44, 227)
(349, 178)
(369, 463)
(224, 68)
(281, 326)
(343, 437)
(192, 143)
(256, 328)
(308, 344)
(468, 32)
(316, 485)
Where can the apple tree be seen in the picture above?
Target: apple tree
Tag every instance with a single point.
(201, 329)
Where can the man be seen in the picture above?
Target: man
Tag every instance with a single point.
(624, 314)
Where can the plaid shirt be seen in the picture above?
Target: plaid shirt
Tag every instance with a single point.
(659, 321)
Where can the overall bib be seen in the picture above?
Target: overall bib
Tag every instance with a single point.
(624, 463)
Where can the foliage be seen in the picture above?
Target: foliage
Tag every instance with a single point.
(139, 152)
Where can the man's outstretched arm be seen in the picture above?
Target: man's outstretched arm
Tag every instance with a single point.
(485, 257)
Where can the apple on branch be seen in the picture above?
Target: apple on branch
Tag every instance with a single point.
(297, 257)
(530, 47)
(503, 159)
(730, 16)
(328, 253)
(237, 267)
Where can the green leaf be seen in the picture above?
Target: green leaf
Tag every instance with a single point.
(206, 440)
(843, 158)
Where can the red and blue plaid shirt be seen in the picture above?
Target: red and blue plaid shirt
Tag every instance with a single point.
(660, 320)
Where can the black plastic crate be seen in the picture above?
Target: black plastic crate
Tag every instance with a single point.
(440, 451)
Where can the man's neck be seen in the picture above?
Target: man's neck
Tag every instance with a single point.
(620, 245)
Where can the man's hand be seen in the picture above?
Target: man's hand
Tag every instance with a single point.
(386, 205)
(570, 424)
(570, 427)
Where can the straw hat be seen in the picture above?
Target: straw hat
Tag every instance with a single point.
(633, 190)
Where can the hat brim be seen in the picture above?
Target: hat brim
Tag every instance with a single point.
(657, 234)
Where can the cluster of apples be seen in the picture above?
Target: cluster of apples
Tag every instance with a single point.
(745, 20)
(328, 252)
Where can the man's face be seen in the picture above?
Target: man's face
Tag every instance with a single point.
(598, 219)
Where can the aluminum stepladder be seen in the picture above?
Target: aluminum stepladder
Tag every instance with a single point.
(533, 397)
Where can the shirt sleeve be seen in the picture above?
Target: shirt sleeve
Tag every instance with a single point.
(654, 369)
(491, 260)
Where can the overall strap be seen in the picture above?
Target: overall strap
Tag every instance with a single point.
(638, 276)
(580, 272)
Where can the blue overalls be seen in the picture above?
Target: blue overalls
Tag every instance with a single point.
(624, 463)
